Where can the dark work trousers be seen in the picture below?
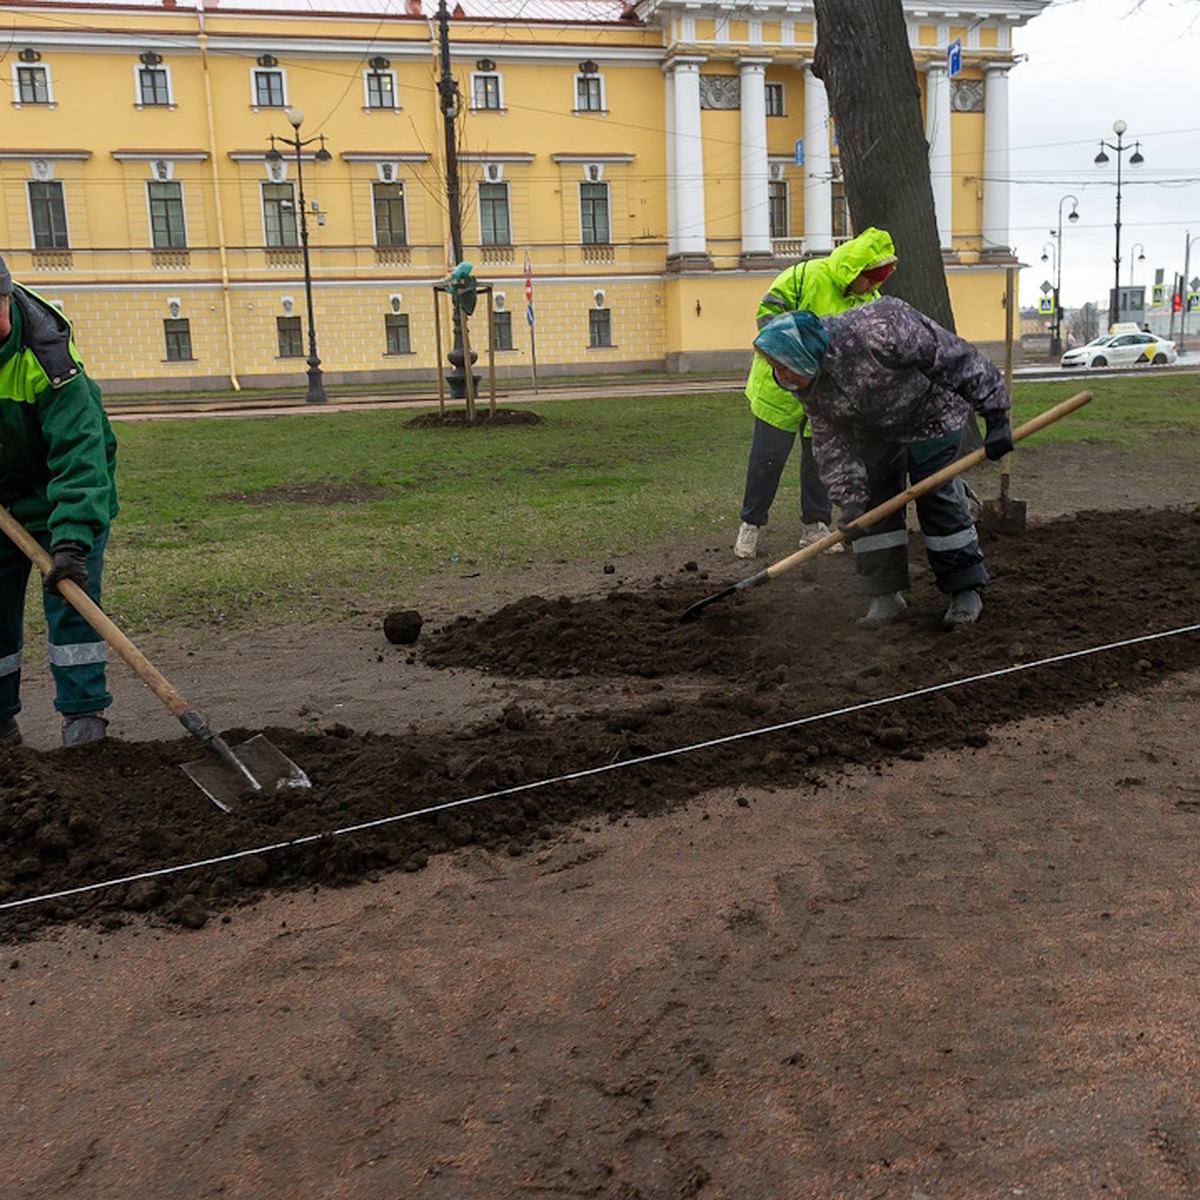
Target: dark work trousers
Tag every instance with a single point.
(78, 654)
(769, 450)
(951, 544)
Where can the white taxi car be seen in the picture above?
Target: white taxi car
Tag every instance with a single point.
(1122, 349)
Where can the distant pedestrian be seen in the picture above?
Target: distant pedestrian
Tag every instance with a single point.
(57, 476)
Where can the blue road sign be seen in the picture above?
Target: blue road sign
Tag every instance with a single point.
(954, 57)
(529, 314)
(799, 152)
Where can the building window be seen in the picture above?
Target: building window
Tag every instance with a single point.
(485, 91)
(153, 86)
(178, 334)
(381, 89)
(599, 327)
(774, 97)
(395, 329)
(279, 215)
(593, 214)
(502, 330)
(589, 93)
(291, 337)
(33, 85)
(390, 227)
(167, 230)
(777, 208)
(48, 216)
(268, 89)
(494, 228)
(840, 205)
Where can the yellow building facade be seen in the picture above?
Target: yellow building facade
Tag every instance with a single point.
(642, 171)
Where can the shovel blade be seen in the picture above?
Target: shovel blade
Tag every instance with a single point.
(1003, 516)
(229, 788)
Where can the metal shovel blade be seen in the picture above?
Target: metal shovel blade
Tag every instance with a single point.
(1003, 515)
(261, 760)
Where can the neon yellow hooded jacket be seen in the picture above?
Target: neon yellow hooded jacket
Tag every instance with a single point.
(819, 285)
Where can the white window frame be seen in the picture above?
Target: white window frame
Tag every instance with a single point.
(17, 68)
(502, 183)
(597, 183)
(785, 183)
(62, 191)
(138, 68)
(367, 105)
(255, 71)
(395, 181)
(499, 78)
(603, 96)
(182, 212)
(773, 86)
(262, 208)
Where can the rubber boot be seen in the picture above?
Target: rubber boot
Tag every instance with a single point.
(10, 732)
(883, 610)
(81, 728)
(964, 609)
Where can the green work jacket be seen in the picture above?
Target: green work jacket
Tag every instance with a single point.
(57, 449)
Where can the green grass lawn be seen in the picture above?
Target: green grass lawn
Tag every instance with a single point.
(216, 528)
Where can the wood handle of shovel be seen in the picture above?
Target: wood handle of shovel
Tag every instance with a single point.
(890, 506)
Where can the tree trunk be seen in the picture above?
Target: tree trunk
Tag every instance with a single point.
(865, 61)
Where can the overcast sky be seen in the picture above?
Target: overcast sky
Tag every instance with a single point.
(1090, 63)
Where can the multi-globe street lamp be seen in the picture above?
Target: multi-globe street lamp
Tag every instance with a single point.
(316, 383)
(1118, 148)
(1056, 233)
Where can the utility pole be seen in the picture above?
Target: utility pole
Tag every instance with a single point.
(448, 92)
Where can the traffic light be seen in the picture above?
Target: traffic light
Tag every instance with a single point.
(1176, 302)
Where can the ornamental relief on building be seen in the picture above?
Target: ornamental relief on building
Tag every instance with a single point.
(966, 95)
(720, 91)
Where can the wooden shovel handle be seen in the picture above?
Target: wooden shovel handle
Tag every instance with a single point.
(926, 485)
(95, 616)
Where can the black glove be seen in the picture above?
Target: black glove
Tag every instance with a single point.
(70, 562)
(998, 441)
(851, 512)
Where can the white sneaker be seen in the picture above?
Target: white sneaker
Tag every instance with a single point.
(815, 532)
(747, 541)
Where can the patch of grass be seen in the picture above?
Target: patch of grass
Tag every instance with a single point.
(238, 522)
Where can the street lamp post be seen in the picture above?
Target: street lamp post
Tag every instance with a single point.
(1185, 287)
(1140, 255)
(316, 383)
(1072, 216)
(1118, 148)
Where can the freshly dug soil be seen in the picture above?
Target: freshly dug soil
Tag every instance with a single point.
(663, 711)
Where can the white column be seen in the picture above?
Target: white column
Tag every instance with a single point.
(756, 223)
(937, 134)
(687, 180)
(995, 160)
(818, 167)
(669, 126)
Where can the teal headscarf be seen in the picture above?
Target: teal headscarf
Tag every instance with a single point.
(796, 340)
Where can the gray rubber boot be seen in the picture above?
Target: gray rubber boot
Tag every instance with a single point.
(81, 728)
(964, 609)
(10, 732)
(883, 610)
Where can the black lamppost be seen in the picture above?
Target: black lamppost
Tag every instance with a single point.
(316, 385)
(1072, 216)
(1135, 158)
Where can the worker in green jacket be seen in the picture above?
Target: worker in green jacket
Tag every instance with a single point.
(850, 276)
(57, 477)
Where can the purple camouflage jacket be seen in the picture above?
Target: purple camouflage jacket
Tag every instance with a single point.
(892, 374)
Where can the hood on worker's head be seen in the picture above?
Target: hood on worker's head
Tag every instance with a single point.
(5, 279)
(795, 340)
(871, 251)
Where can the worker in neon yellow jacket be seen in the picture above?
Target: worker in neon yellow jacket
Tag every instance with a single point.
(848, 277)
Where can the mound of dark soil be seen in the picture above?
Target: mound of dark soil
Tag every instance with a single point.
(737, 688)
(484, 418)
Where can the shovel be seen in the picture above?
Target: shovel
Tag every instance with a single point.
(1003, 515)
(232, 773)
(888, 506)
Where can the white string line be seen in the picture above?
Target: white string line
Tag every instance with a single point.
(308, 839)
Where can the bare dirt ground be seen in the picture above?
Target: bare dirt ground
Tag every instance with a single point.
(935, 945)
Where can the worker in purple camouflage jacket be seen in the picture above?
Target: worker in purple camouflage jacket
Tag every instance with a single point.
(888, 393)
